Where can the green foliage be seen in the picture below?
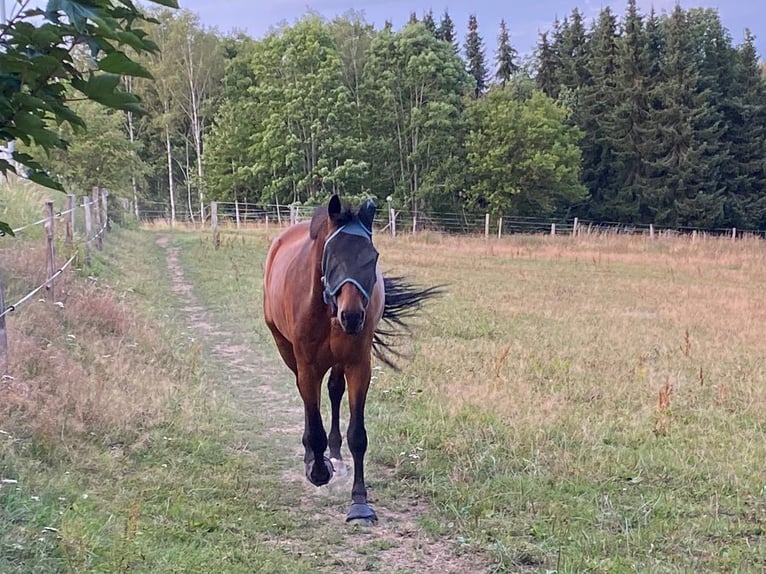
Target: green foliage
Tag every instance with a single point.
(505, 57)
(523, 156)
(38, 61)
(474, 55)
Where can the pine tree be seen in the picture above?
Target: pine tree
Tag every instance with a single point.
(413, 18)
(505, 57)
(547, 68)
(745, 205)
(446, 31)
(474, 55)
(630, 116)
(681, 188)
(430, 23)
(597, 106)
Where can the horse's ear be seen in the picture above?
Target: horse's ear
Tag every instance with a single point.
(318, 219)
(334, 207)
(367, 213)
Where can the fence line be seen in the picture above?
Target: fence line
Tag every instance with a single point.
(98, 199)
(392, 221)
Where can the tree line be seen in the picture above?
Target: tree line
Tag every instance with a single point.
(636, 118)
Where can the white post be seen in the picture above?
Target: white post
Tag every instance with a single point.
(500, 227)
(574, 227)
(553, 229)
(651, 231)
(486, 226)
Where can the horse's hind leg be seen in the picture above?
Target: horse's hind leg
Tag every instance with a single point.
(358, 379)
(336, 386)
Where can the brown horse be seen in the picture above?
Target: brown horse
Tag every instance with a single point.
(324, 297)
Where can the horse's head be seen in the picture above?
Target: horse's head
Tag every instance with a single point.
(349, 260)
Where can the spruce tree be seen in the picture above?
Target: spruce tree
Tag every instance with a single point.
(446, 31)
(474, 55)
(596, 117)
(505, 57)
(630, 116)
(430, 23)
(745, 205)
(547, 68)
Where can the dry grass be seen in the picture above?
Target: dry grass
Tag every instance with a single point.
(555, 370)
(546, 316)
(92, 365)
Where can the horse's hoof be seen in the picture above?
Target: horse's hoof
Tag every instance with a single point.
(361, 514)
(321, 480)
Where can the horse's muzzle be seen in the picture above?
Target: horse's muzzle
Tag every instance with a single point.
(352, 322)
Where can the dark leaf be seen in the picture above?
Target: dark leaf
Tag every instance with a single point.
(119, 63)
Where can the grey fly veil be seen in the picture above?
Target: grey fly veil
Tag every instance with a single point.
(350, 257)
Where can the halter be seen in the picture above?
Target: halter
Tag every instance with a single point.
(330, 292)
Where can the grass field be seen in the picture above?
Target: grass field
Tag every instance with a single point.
(588, 405)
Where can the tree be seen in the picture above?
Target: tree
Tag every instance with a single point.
(547, 68)
(37, 66)
(523, 156)
(103, 156)
(446, 31)
(597, 106)
(414, 89)
(745, 205)
(474, 55)
(201, 69)
(430, 23)
(505, 57)
(681, 188)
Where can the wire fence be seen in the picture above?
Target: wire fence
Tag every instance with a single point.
(95, 219)
(396, 222)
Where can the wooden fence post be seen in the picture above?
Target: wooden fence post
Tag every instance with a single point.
(574, 227)
(214, 222)
(236, 210)
(392, 221)
(3, 332)
(733, 233)
(70, 204)
(500, 227)
(88, 229)
(651, 231)
(51, 251)
(97, 219)
(486, 226)
(105, 210)
(553, 229)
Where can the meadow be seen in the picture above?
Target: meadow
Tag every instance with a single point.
(590, 404)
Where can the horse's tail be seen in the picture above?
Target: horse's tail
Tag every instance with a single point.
(403, 301)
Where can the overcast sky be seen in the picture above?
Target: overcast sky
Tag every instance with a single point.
(526, 18)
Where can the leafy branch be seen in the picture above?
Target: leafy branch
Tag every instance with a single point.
(38, 67)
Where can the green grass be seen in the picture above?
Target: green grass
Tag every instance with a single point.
(164, 495)
(530, 415)
(587, 406)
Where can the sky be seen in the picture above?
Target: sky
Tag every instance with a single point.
(525, 19)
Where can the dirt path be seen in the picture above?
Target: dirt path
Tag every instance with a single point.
(396, 544)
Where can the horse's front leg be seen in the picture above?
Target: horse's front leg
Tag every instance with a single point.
(336, 387)
(358, 381)
(314, 435)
